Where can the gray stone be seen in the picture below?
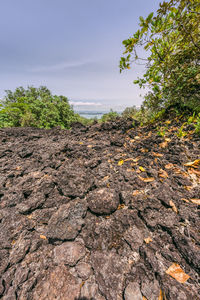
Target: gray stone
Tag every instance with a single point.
(103, 200)
(69, 253)
(110, 270)
(66, 223)
(59, 284)
(132, 292)
(84, 270)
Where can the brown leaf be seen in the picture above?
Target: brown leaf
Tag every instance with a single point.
(162, 296)
(157, 154)
(173, 206)
(136, 192)
(163, 144)
(176, 272)
(185, 200)
(120, 206)
(148, 240)
(195, 201)
(132, 159)
(193, 164)
(169, 166)
(163, 173)
(43, 237)
(149, 179)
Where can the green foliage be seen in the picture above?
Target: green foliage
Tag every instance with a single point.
(171, 38)
(130, 112)
(35, 107)
(111, 116)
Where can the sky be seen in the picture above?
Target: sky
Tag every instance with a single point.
(73, 47)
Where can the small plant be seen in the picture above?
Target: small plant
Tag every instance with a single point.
(181, 133)
(197, 124)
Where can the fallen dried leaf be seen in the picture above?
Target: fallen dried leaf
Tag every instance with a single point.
(142, 169)
(148, 240)
(149, 179)
(185, 200)
(120, 162)
(173, 206)
(120, 206)
(89, 146)
(132, 159)
(176, 272)
(169, 166)
(157, 154)
(195, 201)
(193, 164)
(43, 237)
(162, 296)
(162, 173)
(136, 192)
(163, 144)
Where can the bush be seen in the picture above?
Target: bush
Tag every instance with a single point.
(35, 107)
(111, 116)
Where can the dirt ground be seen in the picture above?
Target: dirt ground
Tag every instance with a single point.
(108, 211)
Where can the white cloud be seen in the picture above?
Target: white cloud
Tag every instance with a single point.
(81, 103)
(60, 66)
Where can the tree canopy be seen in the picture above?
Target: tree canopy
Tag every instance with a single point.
(35, 107)
(172, 40)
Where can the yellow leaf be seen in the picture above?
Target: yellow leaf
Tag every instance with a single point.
(157, 154)
(163, 173)
(121, 206)
(132, 159)
(185, 200)
(164, 144)
(169, 166)
(193, 164)
(167, 139)
(195, 201)
(161, 295)
(143, 150)
(142, 169)
(144, 298)
(168, 122)
(177, 273)
(120, 162)
(137, 138)
(148, 240)
(173, 206)
(149, 179)
(80, 143)
(136, 192)
(43, 237)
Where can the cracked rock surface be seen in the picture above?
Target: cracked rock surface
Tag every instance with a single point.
(99, 213)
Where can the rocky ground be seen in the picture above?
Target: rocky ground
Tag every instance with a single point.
(109, 211)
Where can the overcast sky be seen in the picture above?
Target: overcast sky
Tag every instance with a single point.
(71, 46)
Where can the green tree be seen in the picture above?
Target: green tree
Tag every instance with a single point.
(35, 107)
(172, 41)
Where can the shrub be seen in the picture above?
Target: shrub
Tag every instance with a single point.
(35, 107)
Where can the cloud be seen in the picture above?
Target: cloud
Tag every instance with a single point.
(81, 103)
(60, 66)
